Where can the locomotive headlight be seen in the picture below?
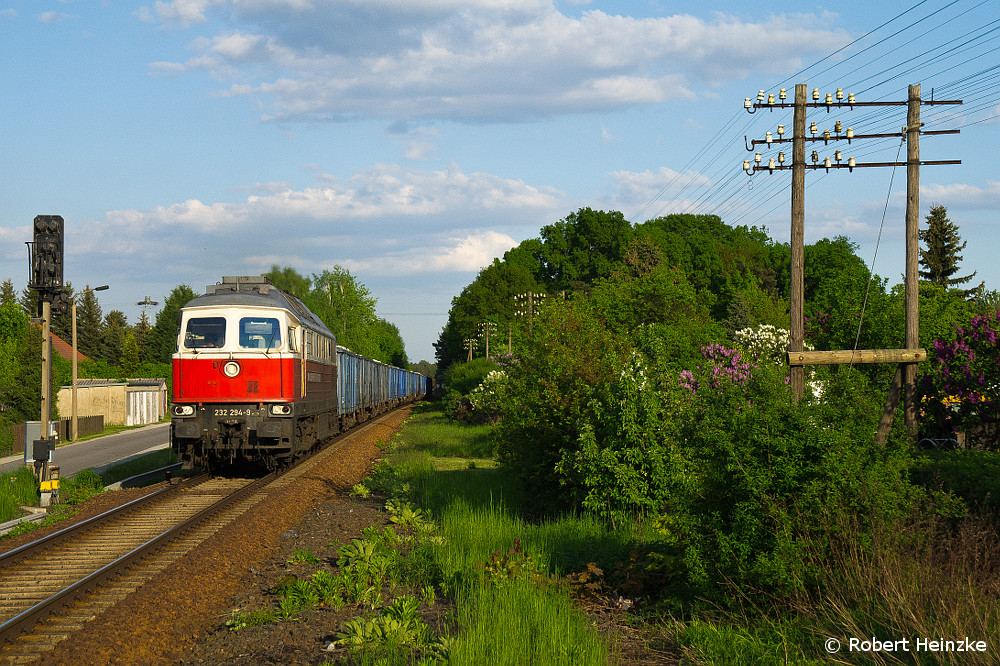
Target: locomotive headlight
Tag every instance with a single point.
(281, 410)
(231, 369)
(182, 410)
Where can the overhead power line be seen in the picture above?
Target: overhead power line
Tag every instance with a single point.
(894, 50)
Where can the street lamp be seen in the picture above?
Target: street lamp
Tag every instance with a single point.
(76, 422)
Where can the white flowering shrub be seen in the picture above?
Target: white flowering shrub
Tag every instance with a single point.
(488, 398)
(767, 343)
(634, 371)
(764, 343)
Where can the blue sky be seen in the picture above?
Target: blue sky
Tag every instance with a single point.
(411, 141)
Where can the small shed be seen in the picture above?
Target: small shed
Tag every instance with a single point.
(132, 402)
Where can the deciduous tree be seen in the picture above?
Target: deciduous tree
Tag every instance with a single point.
(582, 247)
(162, 339)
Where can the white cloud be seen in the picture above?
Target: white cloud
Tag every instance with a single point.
(52, 17)
(384, 209)
(482, 61)
(183, 12)
(468, 253)
(419, 150)
(963, 195)
(632, 188)
(8, 13)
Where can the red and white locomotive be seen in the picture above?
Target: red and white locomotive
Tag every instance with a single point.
(259, 378)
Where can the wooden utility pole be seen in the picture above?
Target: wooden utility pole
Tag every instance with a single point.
(912, 300)
(796, 331)
(74, 410)
(907, 358)
(41, 466)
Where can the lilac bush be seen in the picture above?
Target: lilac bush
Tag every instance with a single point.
(723, 366)
(961, 384)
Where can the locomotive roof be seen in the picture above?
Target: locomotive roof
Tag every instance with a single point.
(256, 291)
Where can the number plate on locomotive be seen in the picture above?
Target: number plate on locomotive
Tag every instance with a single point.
(236, 411)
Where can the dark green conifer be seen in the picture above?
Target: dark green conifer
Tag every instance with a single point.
(940, 260)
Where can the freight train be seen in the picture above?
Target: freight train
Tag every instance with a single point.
(259, 379)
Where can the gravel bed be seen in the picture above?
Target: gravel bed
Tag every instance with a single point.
(179, 616)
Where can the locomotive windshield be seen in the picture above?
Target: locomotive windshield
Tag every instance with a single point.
(205, 332)
(260, 333)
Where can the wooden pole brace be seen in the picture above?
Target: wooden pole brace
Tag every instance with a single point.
(843, 357)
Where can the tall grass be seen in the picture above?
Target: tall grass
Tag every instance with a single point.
(932, 581)
(17, 488)
(522, 624)
(504, 619)
(559, 546)
(516, 620)
(430, 431)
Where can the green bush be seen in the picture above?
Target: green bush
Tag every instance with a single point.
(557, 382)
(973, 476)
(463, 377)
(756, 479)
(81, 487)
(740, 477)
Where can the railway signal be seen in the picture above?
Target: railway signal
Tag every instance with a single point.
(47, 255)
(46, 265)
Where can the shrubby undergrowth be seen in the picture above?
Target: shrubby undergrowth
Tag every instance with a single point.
(740, 479)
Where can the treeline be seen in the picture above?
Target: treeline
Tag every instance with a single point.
(711, 276)
(113, 346)
(114, 349)
(347, 308)
(708, 277)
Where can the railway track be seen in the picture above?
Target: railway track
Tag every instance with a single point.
(51, 587)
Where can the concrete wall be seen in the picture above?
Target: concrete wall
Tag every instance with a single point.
(108, 401)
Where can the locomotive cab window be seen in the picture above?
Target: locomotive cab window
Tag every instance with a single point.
(205, 332)
(260, 333)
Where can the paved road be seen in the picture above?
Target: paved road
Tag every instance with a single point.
(102, 451)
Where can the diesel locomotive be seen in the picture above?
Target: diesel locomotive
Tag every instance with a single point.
(258, 378)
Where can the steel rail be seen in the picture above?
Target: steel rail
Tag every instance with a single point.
(28, 549)
(26, 620)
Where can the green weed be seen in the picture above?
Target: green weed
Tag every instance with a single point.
(328, 589)
(303, 556)
(242, 620)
